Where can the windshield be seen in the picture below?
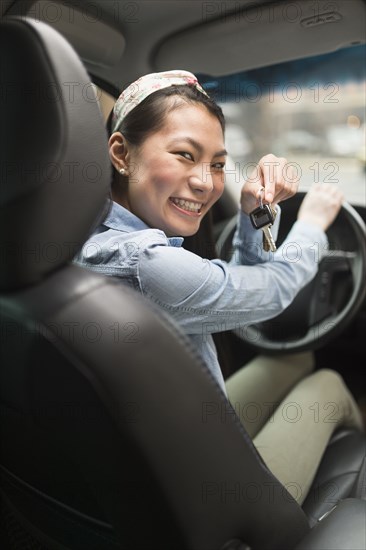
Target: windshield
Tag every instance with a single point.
(311, 111)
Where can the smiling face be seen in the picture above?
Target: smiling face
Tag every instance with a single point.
(177, 173)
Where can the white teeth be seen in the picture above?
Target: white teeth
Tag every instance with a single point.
(187, 205)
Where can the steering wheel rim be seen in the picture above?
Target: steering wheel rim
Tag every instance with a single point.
(323, 325)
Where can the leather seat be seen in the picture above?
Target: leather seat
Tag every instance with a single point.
(112, 432)
(338, 474)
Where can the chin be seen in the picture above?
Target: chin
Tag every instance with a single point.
(179, 232)
(181, 229)
(188, 232)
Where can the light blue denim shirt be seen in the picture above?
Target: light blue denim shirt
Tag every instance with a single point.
(206, 296)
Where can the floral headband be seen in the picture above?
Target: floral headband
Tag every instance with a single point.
(147, 85)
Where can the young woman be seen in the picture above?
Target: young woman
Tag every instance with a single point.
(168, 153)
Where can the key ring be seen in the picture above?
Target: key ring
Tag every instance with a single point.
(261, 190)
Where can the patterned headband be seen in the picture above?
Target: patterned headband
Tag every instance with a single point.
(147, 85)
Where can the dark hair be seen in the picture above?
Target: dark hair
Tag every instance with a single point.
(149, 116)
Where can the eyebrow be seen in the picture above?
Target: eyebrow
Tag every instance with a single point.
(198, 146)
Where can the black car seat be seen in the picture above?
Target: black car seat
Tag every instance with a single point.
(113, 433)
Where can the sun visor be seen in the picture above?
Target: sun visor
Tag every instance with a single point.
(79, 25)
(262, 35)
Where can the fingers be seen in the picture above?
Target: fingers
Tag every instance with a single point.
(321, 205)
(334, 193)
(327, 192)
(278, 178)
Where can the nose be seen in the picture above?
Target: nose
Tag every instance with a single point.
(202, 182)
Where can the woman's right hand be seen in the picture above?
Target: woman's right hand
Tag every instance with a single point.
(321, 205)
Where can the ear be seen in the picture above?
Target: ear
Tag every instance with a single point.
(119, 151)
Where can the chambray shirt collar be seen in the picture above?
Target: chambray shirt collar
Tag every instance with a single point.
(121, 219)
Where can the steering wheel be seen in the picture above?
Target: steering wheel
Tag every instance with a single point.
(323, 308)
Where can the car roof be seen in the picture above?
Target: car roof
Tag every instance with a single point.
(120, 40)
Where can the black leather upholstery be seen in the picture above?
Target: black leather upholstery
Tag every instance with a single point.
(54, 162)
(344, 528)
(337, 474)
(109, 430)
(105, 434)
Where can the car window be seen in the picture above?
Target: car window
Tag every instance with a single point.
(311, 111)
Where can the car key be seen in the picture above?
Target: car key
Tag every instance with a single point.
(263, 218)
(268, 242)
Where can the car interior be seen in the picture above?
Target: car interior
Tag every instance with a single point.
(106, 440)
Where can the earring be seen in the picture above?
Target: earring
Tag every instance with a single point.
(122, 171)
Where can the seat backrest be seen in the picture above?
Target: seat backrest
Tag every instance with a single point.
(113, 432)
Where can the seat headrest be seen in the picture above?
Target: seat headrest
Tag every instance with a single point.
(55, 168)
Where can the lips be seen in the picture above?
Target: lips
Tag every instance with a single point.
(188, 206)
